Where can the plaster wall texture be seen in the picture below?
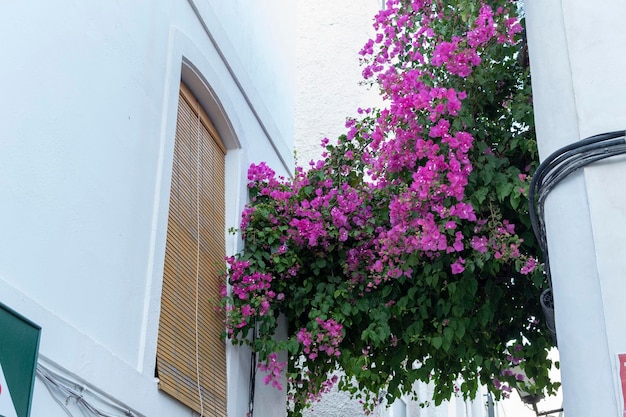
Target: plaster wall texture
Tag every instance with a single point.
(88, 99)
(576, 69)
(259, 43)
(329, 36)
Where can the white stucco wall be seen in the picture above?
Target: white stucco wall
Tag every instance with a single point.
(88, 97)
(577, 68)
(257, 39)
(329, 37)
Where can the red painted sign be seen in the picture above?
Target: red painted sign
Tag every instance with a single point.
(622, 377)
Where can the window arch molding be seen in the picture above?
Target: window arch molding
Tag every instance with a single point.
(207, 97)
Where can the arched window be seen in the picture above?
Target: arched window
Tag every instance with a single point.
(191, 364)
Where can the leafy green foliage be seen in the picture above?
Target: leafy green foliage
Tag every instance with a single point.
(406, 254)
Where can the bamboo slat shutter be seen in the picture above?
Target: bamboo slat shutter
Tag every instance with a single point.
(191, 362)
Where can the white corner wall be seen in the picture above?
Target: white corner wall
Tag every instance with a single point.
(88, 107)
(576, 52)
(330, 35)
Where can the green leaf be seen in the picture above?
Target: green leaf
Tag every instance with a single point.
(436, 341)
(514, 200)
(346, 309)
(472, 286)
(487, 175)
(362, 304)
(402, 303)
(446, 344)
(460, 329)
(458, 310)
(387, 290)
(503, 190)
(480, 194)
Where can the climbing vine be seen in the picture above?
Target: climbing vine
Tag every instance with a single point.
(405, 254)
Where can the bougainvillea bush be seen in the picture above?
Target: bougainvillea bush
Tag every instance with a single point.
(405, 254)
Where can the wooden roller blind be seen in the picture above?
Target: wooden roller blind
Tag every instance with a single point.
(191, 364)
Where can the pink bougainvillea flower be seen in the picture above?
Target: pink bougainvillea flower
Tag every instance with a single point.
(457, 267)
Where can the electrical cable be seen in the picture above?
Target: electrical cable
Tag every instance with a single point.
(556, 167)
(63, 390)
(558, 162)
(54, 389)
(252, 382)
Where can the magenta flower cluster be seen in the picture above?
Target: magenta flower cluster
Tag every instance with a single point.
(325, 338)
(273, 370)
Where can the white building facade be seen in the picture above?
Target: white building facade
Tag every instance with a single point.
(577, 60)
(89, 101)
